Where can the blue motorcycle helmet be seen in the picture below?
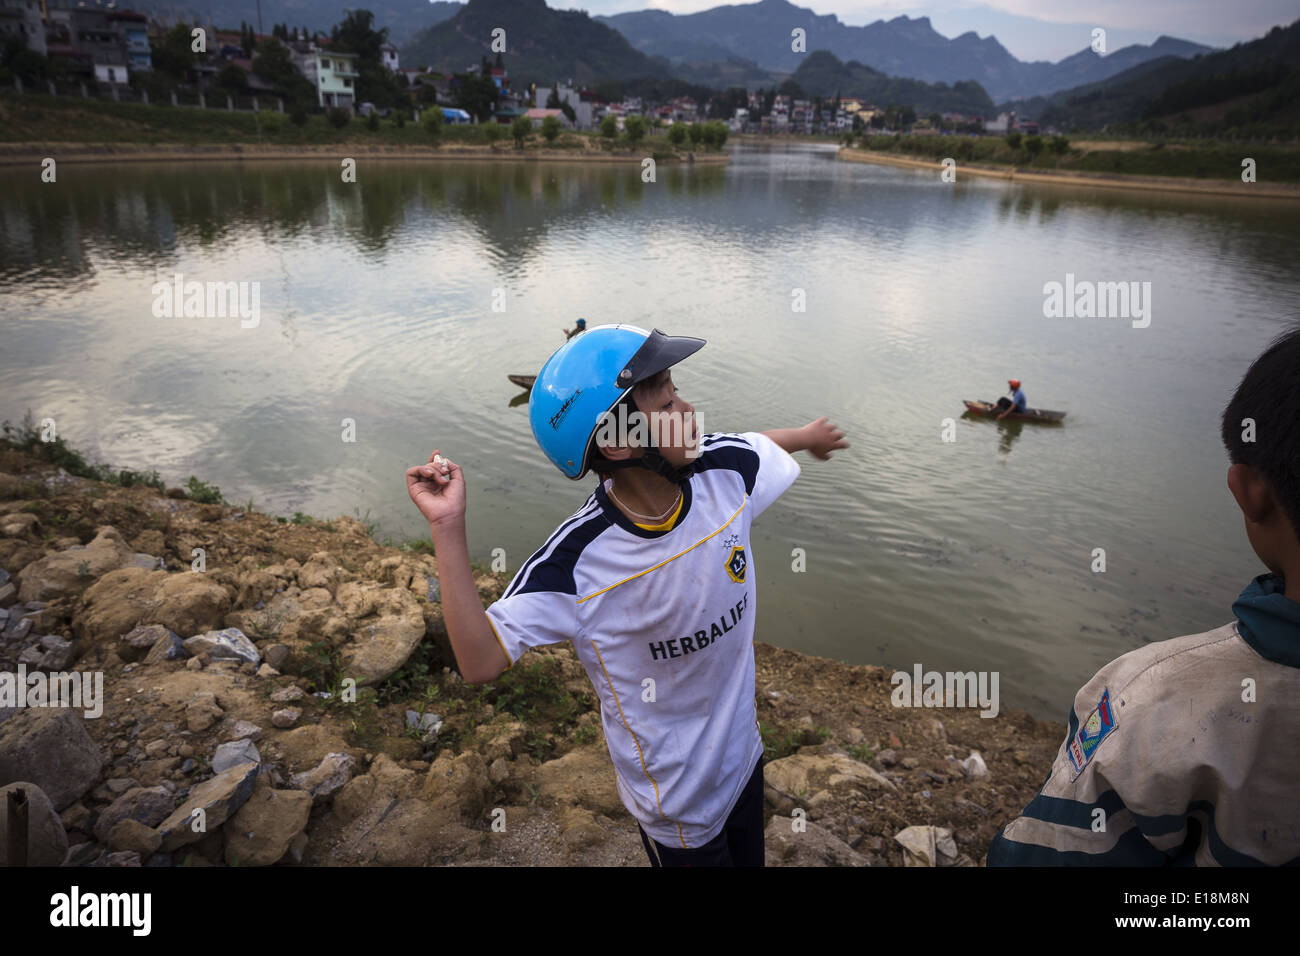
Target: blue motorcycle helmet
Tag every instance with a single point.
(588, 376)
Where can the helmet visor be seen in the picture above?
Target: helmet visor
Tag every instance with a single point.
(657, 353)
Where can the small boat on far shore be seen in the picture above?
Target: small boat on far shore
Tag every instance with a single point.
(991, 410)
(523, 381)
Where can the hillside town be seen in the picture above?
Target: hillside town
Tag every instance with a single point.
(67, 48)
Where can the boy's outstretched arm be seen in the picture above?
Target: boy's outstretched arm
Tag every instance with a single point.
(818, 437)
(438, 490)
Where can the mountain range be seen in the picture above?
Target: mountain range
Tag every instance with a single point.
(744, 44)
(904, 47)
(1260, 80)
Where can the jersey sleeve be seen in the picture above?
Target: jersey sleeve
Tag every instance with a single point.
(531, 619)
(541, 604)
(776, 471)
(1101, 803)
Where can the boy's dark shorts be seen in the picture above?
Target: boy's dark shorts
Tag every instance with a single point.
(738, 843)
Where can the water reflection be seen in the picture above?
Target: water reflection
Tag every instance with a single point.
(138, 215)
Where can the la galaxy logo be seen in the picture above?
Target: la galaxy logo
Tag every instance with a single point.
(1091, 733)
(736, 560)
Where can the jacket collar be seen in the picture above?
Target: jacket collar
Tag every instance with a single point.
(1269, 621)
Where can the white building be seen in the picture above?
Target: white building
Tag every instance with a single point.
(332, 74)
(388, 55)
(583, 110)
(1001, 124)
(111, 73)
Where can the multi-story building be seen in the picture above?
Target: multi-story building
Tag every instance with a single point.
(22, 18)
(1002, 124)
(583, 102)
(388, 56)
(95, 35)
(332, 74)
(133, 30)
(104, 43)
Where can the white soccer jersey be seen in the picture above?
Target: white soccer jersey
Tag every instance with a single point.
(663, 622)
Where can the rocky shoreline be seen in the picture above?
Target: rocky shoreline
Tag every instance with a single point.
(300, 692)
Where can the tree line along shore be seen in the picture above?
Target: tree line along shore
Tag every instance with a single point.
(88, 129)
(1271, 168)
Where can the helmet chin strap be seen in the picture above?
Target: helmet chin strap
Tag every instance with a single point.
(656, 462)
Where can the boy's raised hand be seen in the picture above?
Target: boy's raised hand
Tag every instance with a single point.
(823, 438)
(438, 489)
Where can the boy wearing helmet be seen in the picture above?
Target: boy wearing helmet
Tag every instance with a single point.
(652, 579)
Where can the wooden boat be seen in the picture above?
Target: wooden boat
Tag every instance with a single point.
(523, 381)
(991, 410)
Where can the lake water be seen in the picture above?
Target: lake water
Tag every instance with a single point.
(376, 304)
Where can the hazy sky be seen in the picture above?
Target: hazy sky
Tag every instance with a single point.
(1035, 29)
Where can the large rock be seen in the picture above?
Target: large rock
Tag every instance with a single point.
(19, 524)
(387, 625)
(582, 777)
(233, 753)
(385, 781)
(802, 776)
(227, 644)
(51, 748)
(47, 842)
(417, 573)
(202, 712)
(187, 602)
(219, 798)
(70, 572)
(392, 833)
(303, 748)
(130, 836)
(169, 647)
(145, 805)
(327, 778)
(260, 833)
(457, 786)
(809, 845)
(503, 737)
(139, 641)
(579, 829)
(322, 570)
(295, 619)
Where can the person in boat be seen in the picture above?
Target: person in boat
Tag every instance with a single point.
(1183, 752)
(1017, 401)
(579, 326)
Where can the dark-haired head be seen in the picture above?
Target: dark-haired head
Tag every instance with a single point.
(1261, 431)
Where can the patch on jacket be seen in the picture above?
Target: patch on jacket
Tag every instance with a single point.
(1090, 733)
